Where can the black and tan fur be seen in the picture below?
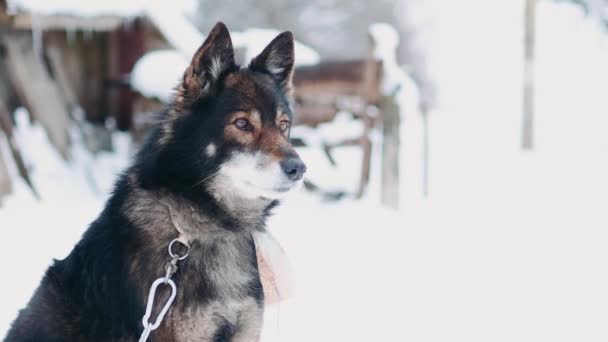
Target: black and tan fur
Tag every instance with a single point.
(210, 173)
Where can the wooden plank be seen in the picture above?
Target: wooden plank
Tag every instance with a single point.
(339, 78)
(8, 95)
(6, 128)
(61, 76)
(130, 47)
(23, 21)
(314, 114)
(37, 91)
(81, 63)
(5, 178)
(6, 124)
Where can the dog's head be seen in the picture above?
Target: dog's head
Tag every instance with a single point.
(228, 128)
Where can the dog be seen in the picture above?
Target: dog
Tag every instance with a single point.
(209, 175)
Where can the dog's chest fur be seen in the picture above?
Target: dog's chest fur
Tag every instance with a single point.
(219, 292)
(240, 320)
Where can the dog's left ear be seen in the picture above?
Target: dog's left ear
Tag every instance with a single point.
(277, 59)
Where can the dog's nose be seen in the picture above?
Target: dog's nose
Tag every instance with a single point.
(294, 168)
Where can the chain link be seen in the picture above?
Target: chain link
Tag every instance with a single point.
(170, 268)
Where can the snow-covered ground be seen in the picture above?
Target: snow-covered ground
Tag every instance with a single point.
(510, 246)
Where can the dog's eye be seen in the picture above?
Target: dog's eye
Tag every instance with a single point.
(243, 124)
(284, 126)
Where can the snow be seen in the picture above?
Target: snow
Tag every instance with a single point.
(254, 40)
(510, 245)
(386, 41)
(175, 27)
(157, 73)
(72, 196)
(519, 254)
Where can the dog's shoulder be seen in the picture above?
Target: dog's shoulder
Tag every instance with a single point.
(50, 312)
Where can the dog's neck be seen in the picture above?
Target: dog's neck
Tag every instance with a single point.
(211, 210)
(223, 256)
(248, 209)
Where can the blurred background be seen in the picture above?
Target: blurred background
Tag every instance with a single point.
(457, 154)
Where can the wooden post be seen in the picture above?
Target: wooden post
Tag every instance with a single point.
(366, 147)
(528, 98)
(425, 151)
(390, 151)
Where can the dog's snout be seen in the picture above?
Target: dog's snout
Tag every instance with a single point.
(294, 168)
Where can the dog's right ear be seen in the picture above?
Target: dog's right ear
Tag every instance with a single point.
(277, 59)
(210, 61)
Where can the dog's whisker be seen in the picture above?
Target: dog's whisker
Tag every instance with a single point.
(205, 179)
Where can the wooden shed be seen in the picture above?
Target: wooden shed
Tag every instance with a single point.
(68, 70)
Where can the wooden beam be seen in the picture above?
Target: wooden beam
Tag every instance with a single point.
(314, 114)
(36, 90)
(6, 128)
(339, 78)
(24, 21)
(61, 76)
(8, 95)
(5, 179)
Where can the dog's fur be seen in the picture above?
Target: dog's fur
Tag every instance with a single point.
(210, 173)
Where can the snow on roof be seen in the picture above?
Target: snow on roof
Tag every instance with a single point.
(157, 73)
(254, 40)
(91, 8)
(175, 26)
(120, 8)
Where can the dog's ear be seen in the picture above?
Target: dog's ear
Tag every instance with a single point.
(277, 59)
(215, 56)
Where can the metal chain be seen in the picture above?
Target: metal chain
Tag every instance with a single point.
(170, 268)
